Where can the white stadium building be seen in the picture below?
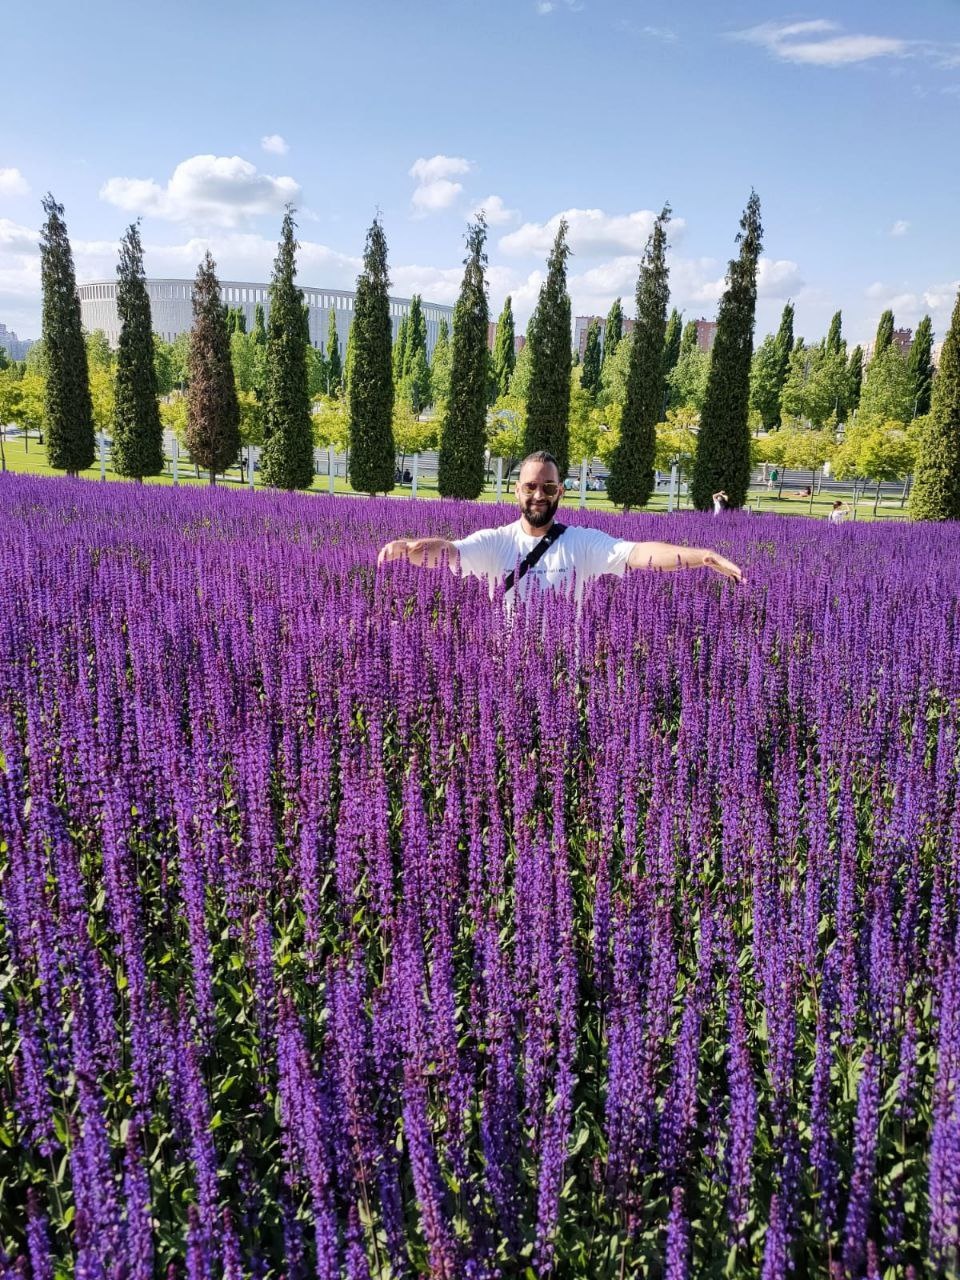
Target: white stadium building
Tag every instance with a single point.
(171, 309)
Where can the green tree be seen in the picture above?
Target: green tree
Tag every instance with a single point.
(460, 464)
(213, 414)
(884, 334)
(370, 373)
(504, 349)
(688, 379)
(631, 472)
(920, 367)
(68, 412)
(817, 386)
(784, 341)
(163, 365)
(334, 361)
(671, 342)
(936, 490)
(764, 382)
(137, 429)
(723, 446)
(316, 372)
(99, 353)
(612, 330)
(416, 334)
(854, 378)
(688, 339)
(548, 336)
(259, 341)
(520, 382)
(613, 375)
(400, 350)
(590, 375)
(440, 366)
(887, 391)
(243, 357)
(287, 461)
(834, 341)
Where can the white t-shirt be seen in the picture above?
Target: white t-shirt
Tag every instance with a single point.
(578, 552)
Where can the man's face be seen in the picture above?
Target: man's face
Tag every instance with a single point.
(539, 492)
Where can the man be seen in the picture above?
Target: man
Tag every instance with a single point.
(576, 552)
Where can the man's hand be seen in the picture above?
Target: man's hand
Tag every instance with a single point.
(399, 549)
(422, 552)
(719, 564)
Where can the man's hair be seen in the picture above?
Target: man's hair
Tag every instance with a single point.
(541, 456)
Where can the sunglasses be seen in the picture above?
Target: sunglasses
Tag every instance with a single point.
(549, 490)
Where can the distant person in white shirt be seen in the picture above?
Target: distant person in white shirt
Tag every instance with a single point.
(838, 512)
(580, 552)
(720, 502)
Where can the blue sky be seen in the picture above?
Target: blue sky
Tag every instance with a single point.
(206, 117)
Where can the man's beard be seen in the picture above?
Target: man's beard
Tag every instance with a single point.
(540, 518)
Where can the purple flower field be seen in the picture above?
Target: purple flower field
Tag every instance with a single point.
(349, 928)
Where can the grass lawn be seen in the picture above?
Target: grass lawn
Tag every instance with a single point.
(32, 458)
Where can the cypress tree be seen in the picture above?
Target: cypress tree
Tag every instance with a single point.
(631, 465)
(440, 365)
(416, 370)
(462, 433)
(548, 336)
(240, 323)
(784, 346)
(67, 408)
(370, 373)
(287, 461)
(671, 341)
(590, 377)
(416, 335)
(504, 349)
(920, 367)
(213, 413)
(259, 340)
(723, 444)
(936, 491)
(612, 330)
(688, 339)
(855, 377)
(884, 334)
(399, 351)
(137, 429)
(334, 362)
(834, 341)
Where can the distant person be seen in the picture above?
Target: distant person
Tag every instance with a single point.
(538, 548)
(838, 512)
(804, 493)
(721, 502)
(407, 477)
(774, 477)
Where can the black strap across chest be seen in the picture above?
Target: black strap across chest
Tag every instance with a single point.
(555, 531)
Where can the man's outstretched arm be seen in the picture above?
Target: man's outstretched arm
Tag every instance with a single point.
(426, 553)
(664, 556)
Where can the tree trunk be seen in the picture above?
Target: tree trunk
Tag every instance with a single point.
(876, 499)
(213, 476)
(3, 454)
(906, 490)
(813, 482)
(783, 472)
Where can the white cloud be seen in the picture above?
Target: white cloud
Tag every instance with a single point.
(426, 171)
(778, 278)
(592, 233)
(13, 183)
(495, 211)
(900, 227)
(435, 189)
(544, 7)
(660, 33)
(819, 43)
(205, 190)
(275, 144)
